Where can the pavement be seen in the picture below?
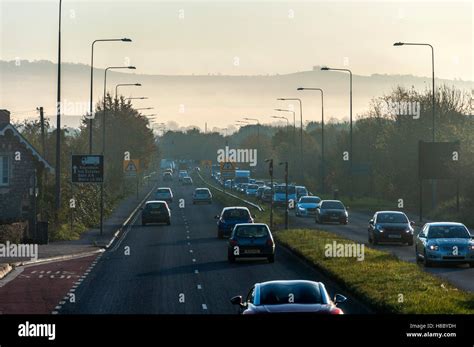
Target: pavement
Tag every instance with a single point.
(90, 242)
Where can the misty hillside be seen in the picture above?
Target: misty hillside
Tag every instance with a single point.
(193, 100)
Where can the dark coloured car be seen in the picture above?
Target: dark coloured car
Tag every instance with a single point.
(290, 297)
(167, 177)
(187, 181)
(251, 240)
(229, 217)
(390, 226)
(444, 242)
(156, 212)
(332, 211)
(267, 194)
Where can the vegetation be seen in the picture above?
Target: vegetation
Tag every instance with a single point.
(381, 280)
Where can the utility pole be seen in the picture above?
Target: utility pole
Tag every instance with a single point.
(286, 193)
(270, 171)
(43, 150)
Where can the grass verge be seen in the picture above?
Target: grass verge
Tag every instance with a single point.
(387, 284)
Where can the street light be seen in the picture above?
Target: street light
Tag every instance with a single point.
(286, 192)
(432, 79)
(433, 136)
(322, 134)
(294, 121)
(92, 81)
(301, 129)
(270, 171)
(258, 130)
(144, 108)
(58, 125)
(103, 141)
(137, 98)
(124, 85)
(351, 155)
(287, 122)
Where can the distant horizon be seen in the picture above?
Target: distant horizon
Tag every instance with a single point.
(219, 74)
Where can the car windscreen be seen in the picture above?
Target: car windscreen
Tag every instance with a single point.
(448, 232)
(251, 231)
(236, 214)
(314, 200)
(282, 190)
(391, 218)
(155, 207)
(333, 205)
(281, 293)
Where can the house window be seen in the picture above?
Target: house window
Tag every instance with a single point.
(4, 170)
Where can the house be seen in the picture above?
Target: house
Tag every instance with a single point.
(21, 170)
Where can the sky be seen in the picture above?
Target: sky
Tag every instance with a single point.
(246, 37)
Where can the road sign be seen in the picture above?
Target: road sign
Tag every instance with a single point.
(227, 169)
(131, 167)
(87, 168)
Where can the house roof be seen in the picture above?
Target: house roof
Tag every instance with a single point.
(34, 152)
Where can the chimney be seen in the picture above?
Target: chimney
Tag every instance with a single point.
(4, 117)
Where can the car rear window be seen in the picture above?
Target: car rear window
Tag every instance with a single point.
(282, 190)
(314, 200)
(391, 218)
(448, 232)
(281, 293)
(155, 207)
(202, 192)
(236, 214)
(251, 231)
(334, 205)
(252, 186)
(163, 190)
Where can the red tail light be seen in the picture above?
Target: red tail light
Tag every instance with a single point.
(233, 243)
(337, 310)
(269, 242)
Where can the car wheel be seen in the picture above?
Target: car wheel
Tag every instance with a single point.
(168, 222)
(370, 239)
(210, 202)
(417, 256)
(271, 258)
(220, 234)
(143, 223)
(426, 262)
(410, 243)
(471, 264)
(374, 240)
(194, 202)
(231, 258)
(317, 220)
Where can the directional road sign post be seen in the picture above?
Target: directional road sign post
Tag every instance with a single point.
(87, 168)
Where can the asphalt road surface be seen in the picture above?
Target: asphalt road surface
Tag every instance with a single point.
(182, 269)
(460, 276)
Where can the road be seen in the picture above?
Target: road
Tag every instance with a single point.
(460, 276)
(186, 258)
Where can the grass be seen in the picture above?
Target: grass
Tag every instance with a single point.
(380, 278)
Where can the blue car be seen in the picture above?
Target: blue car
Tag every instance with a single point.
(280, 194)
(307, 206)
(444, 242)
(250, 240)
(229, 217)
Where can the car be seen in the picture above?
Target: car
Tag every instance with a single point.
(251, 190)
(301, 191)
(279, 195)
(165, 194)
(331, 211)
(167, 176)
(251, 240)
(390, 226)
(293, 296)
(267, 194)
(243, 188)
(260, 183)
(156, 211)
(259, 192)
(228, 184)
(229, 217)
(307, 205)
(202, 195)
(444, 242)
(182, 174)
(187, 181)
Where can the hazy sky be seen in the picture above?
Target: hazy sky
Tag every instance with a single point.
(246, 37)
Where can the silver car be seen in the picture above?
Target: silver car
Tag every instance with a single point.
(444, 242)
